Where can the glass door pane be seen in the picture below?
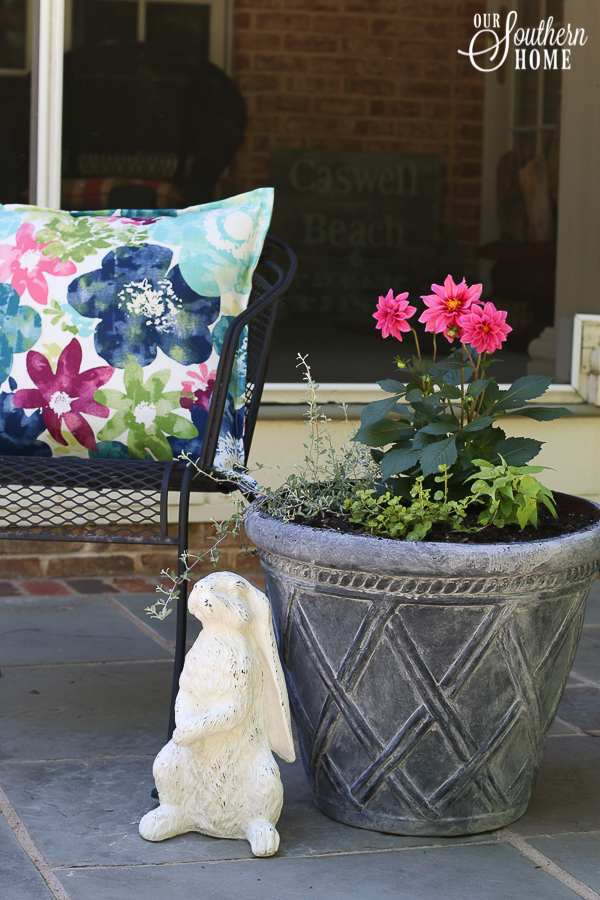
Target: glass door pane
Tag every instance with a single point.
(15, 100)
(133, 74)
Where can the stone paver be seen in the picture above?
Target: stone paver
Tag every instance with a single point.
(576, 853)
(19, 878)
(45, 630)
(84, 696)
(483, 872)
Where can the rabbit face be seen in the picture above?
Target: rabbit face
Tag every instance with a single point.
(221, 598)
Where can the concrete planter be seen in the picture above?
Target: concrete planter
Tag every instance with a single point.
(424, 677)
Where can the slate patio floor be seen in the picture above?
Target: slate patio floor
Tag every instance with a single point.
(83, 706)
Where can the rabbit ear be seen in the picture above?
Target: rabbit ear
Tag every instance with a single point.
(277, 708)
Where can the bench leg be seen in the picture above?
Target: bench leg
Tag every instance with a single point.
(180, 647)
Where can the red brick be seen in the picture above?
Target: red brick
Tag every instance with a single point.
(251, 82)
(370, 87)
(257, 40)
(265, 124)
(337, 144)
(410, 29)
(432, 131)
(427, 9)
(432, 50)
(241, 21)
(434, 110)
(17, 567)
(66, 566)
(340, 106)
(246, 563)
(311, 43)
(315, 125)
(313, 84)
(372, 6)
(364, 45)
(291, 143)
(467, 132)
(44, 588)
(257, 580)
(335, 65)
(372, 127)
(427, 90)
(279, 63)
(259, 4)
(40, 548)
(314, 5)
(466, 91)
(282, 22)
(397, 108)
(468, 151)
(341, 24)
(437, 70)
(388, 67)
(469, 112)
(468, 9)
(395, 146)
(241, 62)
(283, 103)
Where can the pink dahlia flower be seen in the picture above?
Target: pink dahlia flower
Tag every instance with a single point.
(484, 328)
(446, 305)
(392, 314)
(65, 394)
(25, 267)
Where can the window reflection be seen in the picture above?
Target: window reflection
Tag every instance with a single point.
(138, 93)
(15, 99)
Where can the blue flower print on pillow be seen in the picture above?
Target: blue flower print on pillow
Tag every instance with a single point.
(220, 249)
(142, 305)
(9, 222)
(19, 432)
(20, 328)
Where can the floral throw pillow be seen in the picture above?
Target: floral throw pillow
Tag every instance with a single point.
(112, 325)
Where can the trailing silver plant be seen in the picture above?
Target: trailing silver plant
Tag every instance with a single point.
(320, 485)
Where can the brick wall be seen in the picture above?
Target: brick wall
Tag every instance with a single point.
(379, 75)
(58, 559)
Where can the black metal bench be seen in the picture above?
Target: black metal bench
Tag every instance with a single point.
(126, 501)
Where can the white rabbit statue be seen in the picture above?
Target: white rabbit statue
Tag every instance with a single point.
(217, 775)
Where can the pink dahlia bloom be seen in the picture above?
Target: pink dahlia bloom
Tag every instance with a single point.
(65, 394)
(446, 305)
(392, 314)
(25, 267)
(484, 328)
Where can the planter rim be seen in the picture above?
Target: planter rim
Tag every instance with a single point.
(365, 553)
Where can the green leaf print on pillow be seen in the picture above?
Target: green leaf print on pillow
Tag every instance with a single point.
(146, 412)
(68, 238)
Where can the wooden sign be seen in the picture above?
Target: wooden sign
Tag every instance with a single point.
(361, 223)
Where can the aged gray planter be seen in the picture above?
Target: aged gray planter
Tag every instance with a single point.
(424, 677)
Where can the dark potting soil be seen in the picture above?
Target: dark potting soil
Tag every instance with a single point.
(569, 520)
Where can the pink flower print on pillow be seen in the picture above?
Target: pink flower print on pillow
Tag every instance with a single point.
(63, 396)
(198, 391)
(25, 267)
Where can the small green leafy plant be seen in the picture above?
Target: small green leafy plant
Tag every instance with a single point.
(391, 516)
(511, 494)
